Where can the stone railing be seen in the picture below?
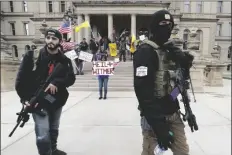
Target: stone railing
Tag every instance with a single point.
(15, 14)
(19, 37)
(199, 16)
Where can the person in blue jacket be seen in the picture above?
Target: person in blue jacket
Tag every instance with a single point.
(103, 83)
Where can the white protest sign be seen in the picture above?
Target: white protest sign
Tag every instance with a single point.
(71, 54)
(128, 47)
(86, 56)
(103, 68)
(116, 59)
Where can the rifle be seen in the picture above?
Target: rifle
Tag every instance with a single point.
(182, 85)
(23, 115)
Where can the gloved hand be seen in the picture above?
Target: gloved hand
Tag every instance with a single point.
(164, 135)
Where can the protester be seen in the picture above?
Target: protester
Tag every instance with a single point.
(84, 45)
(27, 82)
(161, 121)
(103, 82)
(94, 46)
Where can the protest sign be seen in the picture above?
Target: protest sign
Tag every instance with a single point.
(113, 49)
(103, 68)
(116, 59)
(86, 56)
(71, 54)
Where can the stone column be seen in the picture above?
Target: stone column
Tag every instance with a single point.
(71, 34)
(110, 26)
(133, 24)
(79, 34)
(87, 30)
(197, 73)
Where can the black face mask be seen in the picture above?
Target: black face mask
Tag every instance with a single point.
(161, 34)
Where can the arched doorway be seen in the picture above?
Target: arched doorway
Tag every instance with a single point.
(15, 51)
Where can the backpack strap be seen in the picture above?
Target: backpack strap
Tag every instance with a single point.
(152, 44)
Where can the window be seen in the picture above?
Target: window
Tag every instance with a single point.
(186, 34)
(229, 52)
(199, 38)
(12, 28)
(199, 7)
(219, 29)
(186, 6)
(50, 6)
(11, 6)
(24, 6)
(230, 29)
(62, 6)
(27, 48)
(26, 28)
(15, 51)
(185, 38)
(219, 7)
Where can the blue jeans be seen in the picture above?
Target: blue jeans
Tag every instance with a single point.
(47, 130)
(103, 82)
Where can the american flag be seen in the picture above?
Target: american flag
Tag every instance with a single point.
(65, 27)
(67, 46)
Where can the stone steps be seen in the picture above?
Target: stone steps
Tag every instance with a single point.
(73, 88)
(122, 80)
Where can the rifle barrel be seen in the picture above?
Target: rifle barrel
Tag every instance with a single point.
(16, 126)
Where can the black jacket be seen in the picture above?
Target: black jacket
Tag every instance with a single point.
(25, 77)
(62, 80)
(84, 46)
(93, 46)
(151, 107)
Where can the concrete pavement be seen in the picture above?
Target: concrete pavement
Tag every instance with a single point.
(111, 127)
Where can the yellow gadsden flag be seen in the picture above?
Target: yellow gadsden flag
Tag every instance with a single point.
(82, 25)
(113, 49)
(132, 48)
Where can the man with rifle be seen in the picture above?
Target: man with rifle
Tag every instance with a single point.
(157, 88)
(43, 91)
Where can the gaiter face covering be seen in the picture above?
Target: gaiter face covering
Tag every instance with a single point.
(162, 33)
(162, 23)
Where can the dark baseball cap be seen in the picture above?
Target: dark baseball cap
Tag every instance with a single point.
(54, 32)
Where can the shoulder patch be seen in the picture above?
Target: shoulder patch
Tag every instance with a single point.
(141, 71)
(167, 16)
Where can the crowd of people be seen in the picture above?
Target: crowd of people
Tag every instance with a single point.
(161, 122)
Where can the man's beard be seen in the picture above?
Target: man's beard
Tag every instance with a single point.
(52, 47)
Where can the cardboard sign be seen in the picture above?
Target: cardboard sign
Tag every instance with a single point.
(103, 68)
(86, 56)
(71, 54)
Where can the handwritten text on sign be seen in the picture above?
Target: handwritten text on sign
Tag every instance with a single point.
(86, 56)
(71, 54)
(103, 68)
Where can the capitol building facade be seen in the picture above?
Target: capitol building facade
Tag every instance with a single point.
(21, 21)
